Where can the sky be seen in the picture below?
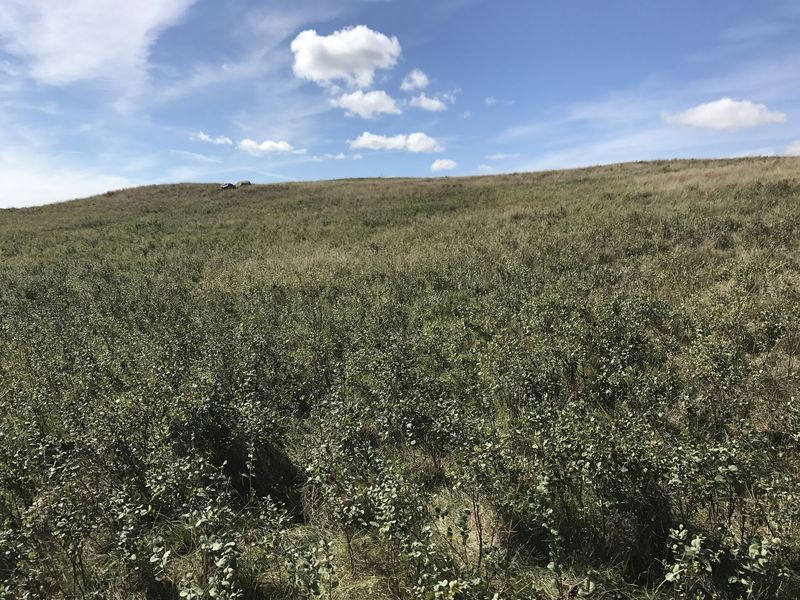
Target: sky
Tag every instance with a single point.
(105, 94)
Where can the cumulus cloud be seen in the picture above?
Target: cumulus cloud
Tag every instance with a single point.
(427, 103)
(65, 42)
(268, 147)
(443, 164)
(414, 142)
(367, 105)
(351, 55)
(219, 140)
(490, 101)
(416, 80)
(727, 114)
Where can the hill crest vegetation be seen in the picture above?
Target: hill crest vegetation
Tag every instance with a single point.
(565, 384)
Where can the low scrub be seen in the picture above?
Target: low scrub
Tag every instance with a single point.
(555, 385)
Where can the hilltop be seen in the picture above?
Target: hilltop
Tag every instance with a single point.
(550, 384)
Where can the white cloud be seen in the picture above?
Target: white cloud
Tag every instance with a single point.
(501, 156)
(351, 55)
(268, 146)
(792, 149)
(416, 80)
(220, 140)
(367, 105)
(450, 96)
(340, 156)
(727, 114)
(65, 42)
(29, 181)
(414, 142)
(443, 164)
(485, 168)
(492, 101)
(426, 103)
(201, 158)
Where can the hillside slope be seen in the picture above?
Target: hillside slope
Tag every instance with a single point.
(531, 385)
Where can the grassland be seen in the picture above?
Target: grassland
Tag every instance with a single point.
(566, 384)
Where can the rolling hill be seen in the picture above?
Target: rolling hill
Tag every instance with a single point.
(576, 383)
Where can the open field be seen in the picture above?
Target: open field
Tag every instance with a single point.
(580, 383)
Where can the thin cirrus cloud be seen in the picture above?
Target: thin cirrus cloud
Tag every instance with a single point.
(414, 142)
(66, 42)
(219, 140)
(492, 101)
(255, 148)
(367, 105)
(350, 55)
(427, 103)
(727, 114)
(443, 164)
(502, 156)
(33, 179)
(415, 80)
(792, 149)
(343, 156)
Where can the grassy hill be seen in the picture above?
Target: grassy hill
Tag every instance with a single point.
(566, 384)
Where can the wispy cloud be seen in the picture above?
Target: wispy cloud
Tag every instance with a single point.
(501, 156)
(793, 149)
(259, 49)
(62, 43)
(196, 156)
(30, 180)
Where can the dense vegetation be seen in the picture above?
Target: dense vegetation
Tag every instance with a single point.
(564, 384)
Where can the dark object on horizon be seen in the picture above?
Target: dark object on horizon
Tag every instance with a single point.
(242, 183)
(227, 186)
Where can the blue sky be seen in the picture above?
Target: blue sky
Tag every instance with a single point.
(103, 94)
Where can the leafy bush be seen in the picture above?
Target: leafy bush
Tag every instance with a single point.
(575, 384)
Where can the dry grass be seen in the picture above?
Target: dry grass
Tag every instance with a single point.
(715, 174)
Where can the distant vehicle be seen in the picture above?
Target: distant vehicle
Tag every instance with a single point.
(227, 186)
(242, 183)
